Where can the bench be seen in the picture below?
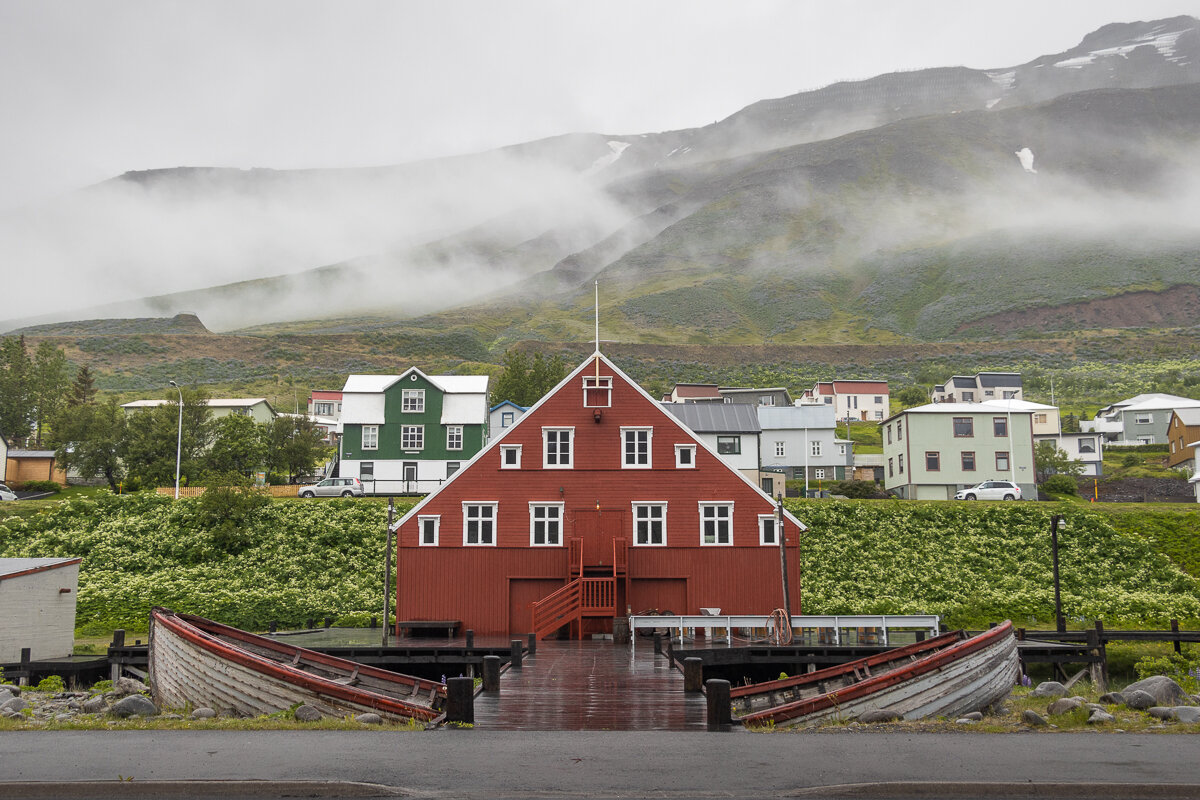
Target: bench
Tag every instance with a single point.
(408, 626)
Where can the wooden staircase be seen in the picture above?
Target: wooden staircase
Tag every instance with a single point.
(581, 596)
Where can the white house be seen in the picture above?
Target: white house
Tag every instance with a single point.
(37, 607)
(802, 441)
(980, 387)
(731, 429)
(853, 399)
(503, 416)
(257, 408)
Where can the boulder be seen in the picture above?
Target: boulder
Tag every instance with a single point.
(1064, 705)
(1113, 699)
(204, 712)
(965, 721)
(1165, 691)
(974, 716)
(1101, 718)
(1136, 698)
(15, 704)
(1049, 689)
(878, 715)
(1031, 717)
(1161, 712)
(5, 695)
(171, 716)
(128, 686)
(369, 718)
(1187, 714)
(135, 705)
(93, 705)
(307, 714)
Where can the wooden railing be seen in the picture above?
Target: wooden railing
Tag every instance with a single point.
(556, 609)
(286, 490)
(597, 596)
(575, 556)
(620, 557)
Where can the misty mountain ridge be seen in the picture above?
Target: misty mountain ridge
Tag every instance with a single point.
(803, 204)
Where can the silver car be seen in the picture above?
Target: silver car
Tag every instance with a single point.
(334, 487)
(7, 493)
(991, 490)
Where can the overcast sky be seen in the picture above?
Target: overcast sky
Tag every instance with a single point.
(93, 88)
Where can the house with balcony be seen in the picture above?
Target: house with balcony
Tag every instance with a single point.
(597, 503)
(1141, 419)
(932, 451)
(979, 387)
(802, 442)
(853, 399)
(409, 433)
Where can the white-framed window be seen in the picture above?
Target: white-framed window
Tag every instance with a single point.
(558, 448)
(412, 401)
(841, 449)
(323, 409)
(1143, 419)
(452, 467)
(545, 524)
(766, 529)
(650, 524)
(814, 447)
(479, 524)
(819, 473)
(780, 450)
(597, 391)
(729, 445)
(427, 530)
(1145, 440)
(412, 437)
(767, 400)
(635, 447)
(878, 415)
(716, 523)
(1087, 445)
(685, 456)
(370, 437)
(454, 437)
(510, 456)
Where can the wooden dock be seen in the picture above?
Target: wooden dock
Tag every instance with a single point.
(591, 685)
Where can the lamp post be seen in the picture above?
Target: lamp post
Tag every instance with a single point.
(178, 438)
(1055, 521)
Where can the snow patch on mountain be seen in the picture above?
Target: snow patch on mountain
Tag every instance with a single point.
(615, 148)
(1025, 156)
(1160, 40)
(1004, 80)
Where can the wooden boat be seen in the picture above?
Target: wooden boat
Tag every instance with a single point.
(948, 675)
(204, 663)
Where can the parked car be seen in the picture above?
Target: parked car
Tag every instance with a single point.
(334, 487)
(7, 493)
(990, 490)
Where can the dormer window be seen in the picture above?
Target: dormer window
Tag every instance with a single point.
(597, 391)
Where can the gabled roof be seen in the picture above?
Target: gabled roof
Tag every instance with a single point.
(15, 567)
(1188, 416)
(449, 384)
(806, 416)
(1165, 402)
(717, 417)
(962, 382)
(508, 403)
(524, 419)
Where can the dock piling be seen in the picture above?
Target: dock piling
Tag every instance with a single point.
(470, 635)
(491, 673)
(693, 674)
(517, 653)
(460, 700)
(720, 713)
(532, 643)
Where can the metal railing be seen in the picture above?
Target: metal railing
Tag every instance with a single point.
(680, 623)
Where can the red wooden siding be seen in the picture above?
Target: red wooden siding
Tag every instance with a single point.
(476, 583)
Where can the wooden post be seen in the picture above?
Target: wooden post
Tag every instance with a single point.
(783, 567)
(470, 638)
(1175, 630)
(274, 626)
(460, 700)
(1103, 652)
(1059, 621)
(693, 674)
(329, 622)
(720, 714)
(26, 656)
(114, 671)
(1096, 668)
(517, 653)
(387, 571)
(491, 673)
(532, 643)
(658, 644)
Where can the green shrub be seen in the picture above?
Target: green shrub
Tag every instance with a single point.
(41, 486)
(1183, 668)
(52, 683)
(1130, 460)
(858, 490)
(1061, 484)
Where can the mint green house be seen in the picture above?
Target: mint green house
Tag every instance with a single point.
(932, 451)
(407, 434)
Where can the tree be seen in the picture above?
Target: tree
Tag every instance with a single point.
(149, 445)
(91, 438)
(239, 446)
(295, 446)
(1050, 460)
(48, 384)
(83, 390)
(16, 405)
(914, 395)
(524, 381)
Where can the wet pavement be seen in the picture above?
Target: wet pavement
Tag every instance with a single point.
(591, 686)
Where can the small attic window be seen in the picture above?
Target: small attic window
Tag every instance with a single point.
(597, 391)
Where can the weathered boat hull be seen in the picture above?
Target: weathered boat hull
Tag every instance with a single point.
(949, 681)
(192, 663)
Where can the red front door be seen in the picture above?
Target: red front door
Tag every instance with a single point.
(598, 528)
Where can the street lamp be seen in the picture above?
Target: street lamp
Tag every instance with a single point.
(178, 438)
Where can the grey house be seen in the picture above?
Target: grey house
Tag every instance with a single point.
(802, 441)
(1142, 419)
(730, 429)
(773, 397)
(979, 387)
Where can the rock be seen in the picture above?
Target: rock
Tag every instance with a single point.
(62, 717)
(965, 721)
(135, 705)
(1187, 714)
(128, 686)
(1161, 712)
(5, 696)
(15, 704)
(1141, 700)
(307, 714)
(1064, 705)
(171, 716)
(74, 705)
(1101, 718)
(1031, 717)
(878, 715)
(12, 689)
(93, 705)
(1095, 707)
(1165, 691)
(369, 718)
(974, 716)
(1049, 689)
(204, 712)
(1113, 699)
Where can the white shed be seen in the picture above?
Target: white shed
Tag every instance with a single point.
(37, 607)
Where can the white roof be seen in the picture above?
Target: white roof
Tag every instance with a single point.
(966, 408)
(461, 384)
(11, 566)
(450, 384)
(216, 402)
(464, 409)
(1015, 405)
(1166, 401)
(369, 383)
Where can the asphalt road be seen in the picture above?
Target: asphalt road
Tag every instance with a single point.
(478, 764)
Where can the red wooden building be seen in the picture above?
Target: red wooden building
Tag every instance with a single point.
(596, 504)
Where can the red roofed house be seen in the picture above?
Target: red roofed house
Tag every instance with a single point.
(694, 393)
(854, 399)
(601, 498)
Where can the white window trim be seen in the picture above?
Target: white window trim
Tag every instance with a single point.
(602, 383)
(375, 432)
(561, 515)
(1143, 419)
(405, 394)
(570, 451)
(495, 520)
(815, 448)
(633, 514)
(437, 527)
(681, 447)
(450, 429)
(649, 447)
(504, 462)
(819, 473)
(719, 503)
(405, 449)
(762, 538)
(781, 449)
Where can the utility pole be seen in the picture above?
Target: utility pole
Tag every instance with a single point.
(387, 569)
(783, 567)
(1059, 622)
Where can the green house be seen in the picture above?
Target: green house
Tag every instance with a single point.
(407, 434)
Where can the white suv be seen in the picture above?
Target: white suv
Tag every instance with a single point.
(991, 490)
(7, 493)
(334, 487)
